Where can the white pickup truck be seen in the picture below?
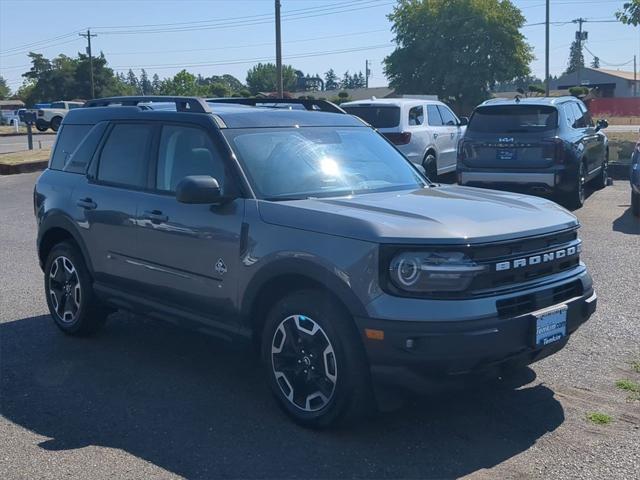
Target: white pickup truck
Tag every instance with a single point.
(52, 117)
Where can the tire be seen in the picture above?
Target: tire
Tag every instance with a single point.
(431, 167)
(42, 127)
(55, 123)
(601, 180)
(315, 362)
(635, 203)
(575, 198)
(69, 292)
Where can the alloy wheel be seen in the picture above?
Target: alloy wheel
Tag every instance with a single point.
(64, 289)
(304, 363)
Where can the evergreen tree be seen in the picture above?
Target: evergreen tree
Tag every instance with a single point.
(595, 63)
(155, 84)
(576, 58)
(145, 85)
(331, 80)
(133, 82)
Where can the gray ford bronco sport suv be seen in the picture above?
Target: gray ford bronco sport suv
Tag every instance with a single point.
(308, 233)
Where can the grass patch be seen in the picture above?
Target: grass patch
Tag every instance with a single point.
(16, 158)
(621, 145)
(628, 385)
(599, 418)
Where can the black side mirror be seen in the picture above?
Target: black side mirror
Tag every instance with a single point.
(601, 124)
(463, 121)
(201, 189)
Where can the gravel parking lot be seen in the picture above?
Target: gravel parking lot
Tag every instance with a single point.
(146, 399)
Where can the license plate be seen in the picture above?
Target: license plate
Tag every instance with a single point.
(506, 154)
(551, 325)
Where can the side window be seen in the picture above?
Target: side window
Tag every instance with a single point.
(123, 160)
(186, 151)
(80, 158)
(586, 115)
(416, 116)
(435, 120)
(69, 138)
(577, 115)
(448, 117)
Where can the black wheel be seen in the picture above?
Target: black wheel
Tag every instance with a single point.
(635, 203)
(55, 123)
(70, 296)
(576, 198)
(315, 362)
(431, 167)
(42, 126)
(601, 180)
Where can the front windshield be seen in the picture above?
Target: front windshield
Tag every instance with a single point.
(320, 161)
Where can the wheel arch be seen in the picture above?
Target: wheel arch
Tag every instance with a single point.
(55, 230)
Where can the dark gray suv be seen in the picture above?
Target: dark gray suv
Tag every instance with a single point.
(307, 233)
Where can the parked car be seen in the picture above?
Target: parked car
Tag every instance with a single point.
(635, 180)
(308, 234)
(425, 131)
(12, 117)
(52, 117)
(546, 146)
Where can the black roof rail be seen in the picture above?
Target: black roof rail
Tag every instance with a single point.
(321, 105)
(183, 104)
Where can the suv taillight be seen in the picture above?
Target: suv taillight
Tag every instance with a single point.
(553, 150)
(41, 113)
(402, 138)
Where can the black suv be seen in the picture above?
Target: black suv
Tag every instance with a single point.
(545, 146)
(307, 233)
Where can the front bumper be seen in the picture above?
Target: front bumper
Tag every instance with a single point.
(414, 351)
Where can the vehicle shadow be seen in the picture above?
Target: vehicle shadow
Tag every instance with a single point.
(627, 223)
(197, 407)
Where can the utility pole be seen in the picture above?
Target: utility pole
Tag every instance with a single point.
(580, 37)
(546, 51)
(367, 72)
(88, 36)
(279, 83)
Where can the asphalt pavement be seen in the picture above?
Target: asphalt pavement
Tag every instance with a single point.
(16, 143)
(145, 399)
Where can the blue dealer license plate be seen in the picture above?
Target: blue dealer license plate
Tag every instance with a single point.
(551, 325)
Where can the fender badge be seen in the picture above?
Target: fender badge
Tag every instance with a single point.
(221, 268)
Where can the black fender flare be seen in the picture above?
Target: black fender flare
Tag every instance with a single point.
(65, 223)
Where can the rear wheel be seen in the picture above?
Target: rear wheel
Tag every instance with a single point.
(69, 292)
(635, 203)
(315, 362)
(431, 167)
(55, 123)
(42, 126)
(576, 198)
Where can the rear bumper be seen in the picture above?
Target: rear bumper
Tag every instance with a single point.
(548, 179)
(412, 354)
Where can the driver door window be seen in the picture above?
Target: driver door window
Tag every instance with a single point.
(186, 151)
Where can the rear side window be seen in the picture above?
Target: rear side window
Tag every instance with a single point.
(416, 116)
(80, 158)
(69, 139)
(377, 116)
(123, 160)
(435, 120)
(513, 119)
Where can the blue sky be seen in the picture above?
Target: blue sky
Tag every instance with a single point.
(228, 36)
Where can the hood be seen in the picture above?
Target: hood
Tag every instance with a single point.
(442, 214)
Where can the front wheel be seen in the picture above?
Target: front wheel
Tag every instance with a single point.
(315, 362)
(55, 123)
(42, 126)
(69, 292)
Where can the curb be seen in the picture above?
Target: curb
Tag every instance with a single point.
(26, 167)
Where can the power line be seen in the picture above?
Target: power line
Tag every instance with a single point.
(39, 42)
(39, 48)
(608, 64)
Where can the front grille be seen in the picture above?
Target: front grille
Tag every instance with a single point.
(532, 302)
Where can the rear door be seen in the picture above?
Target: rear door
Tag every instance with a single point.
(596, 140)
(510, 137)
(107, 202)
(439, 134)
(190, 253)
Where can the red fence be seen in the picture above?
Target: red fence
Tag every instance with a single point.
(619, 107)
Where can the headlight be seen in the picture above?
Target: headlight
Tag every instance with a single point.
(433, 271)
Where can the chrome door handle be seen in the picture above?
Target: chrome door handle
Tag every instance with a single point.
(156, 216)
(87, 204)
(435, 135)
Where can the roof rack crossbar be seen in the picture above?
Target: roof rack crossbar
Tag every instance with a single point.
(322, 105)
(183, 104)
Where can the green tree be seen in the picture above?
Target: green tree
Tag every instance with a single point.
(183, 83)
(456, 49)
(576, 58)
(133, 82)
(5, 91)
(145, 84)
(331, 80)
(595, 63)
(155, 84)
(262, 78)
(630, 13)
